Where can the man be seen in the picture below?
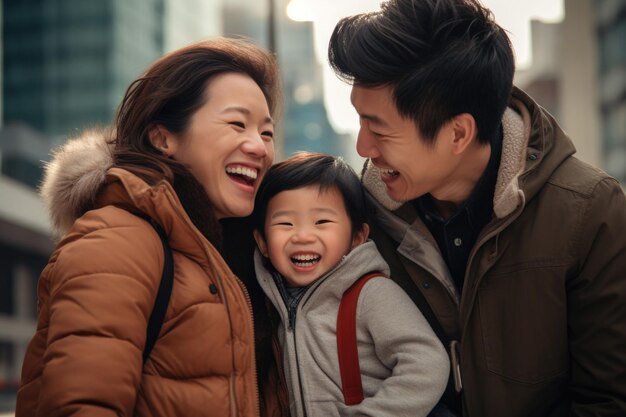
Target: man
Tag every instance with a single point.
(512, 248)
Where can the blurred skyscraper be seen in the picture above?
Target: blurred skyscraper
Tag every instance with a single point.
(304, 122)
(579, 75)
(65, 66)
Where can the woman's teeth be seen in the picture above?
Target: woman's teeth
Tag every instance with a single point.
(248, 174)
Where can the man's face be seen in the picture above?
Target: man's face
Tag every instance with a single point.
(409, 166)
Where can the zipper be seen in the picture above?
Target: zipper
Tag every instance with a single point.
(295, 348)
(207, 246)
(483, 239)
(253, 362)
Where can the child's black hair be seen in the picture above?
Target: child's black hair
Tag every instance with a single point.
(311, 168)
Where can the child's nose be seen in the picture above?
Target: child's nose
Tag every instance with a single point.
(303, 235)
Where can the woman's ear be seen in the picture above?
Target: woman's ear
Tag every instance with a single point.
(260, 242)
(163, 140)
(361, 236)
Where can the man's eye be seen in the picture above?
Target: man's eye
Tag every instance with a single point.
(241, 125)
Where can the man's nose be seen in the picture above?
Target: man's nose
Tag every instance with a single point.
(365, 145)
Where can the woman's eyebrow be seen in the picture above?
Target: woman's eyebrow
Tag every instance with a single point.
(245, 111)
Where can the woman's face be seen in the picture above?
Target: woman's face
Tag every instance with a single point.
(228, 145)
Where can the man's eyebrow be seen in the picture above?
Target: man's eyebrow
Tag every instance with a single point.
(373, 118)
(245, 111)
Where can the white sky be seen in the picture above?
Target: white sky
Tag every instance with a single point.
(512, 15)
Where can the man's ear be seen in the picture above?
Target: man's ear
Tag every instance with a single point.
(163, 140)
(360, 236)
(463, 130)
(260, 242)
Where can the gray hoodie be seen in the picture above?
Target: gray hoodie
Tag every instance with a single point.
(404, 367)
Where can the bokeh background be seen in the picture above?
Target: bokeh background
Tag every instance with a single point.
(65, 65)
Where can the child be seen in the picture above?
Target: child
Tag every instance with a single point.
(311, 232)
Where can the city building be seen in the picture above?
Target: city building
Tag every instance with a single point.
(579, 75)
(610, 24)
(304, 122)
(65, 66)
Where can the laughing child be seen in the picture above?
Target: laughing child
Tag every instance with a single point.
(311, 232)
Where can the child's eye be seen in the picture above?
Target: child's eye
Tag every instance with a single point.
(283, 224)
(323, 221)
(268, 134)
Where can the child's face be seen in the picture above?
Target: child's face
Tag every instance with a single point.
(307, 233)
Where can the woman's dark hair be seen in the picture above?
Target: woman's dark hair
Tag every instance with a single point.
(170, 92)
(441, 58)
(311, 168)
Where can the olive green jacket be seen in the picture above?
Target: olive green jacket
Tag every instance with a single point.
(540, 328)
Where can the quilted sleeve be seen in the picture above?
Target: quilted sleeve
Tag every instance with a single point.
(102, 291)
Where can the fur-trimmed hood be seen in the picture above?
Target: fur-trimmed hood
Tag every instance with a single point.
(519, 157)
(74, 176)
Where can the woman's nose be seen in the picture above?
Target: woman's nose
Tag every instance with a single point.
(256, 146)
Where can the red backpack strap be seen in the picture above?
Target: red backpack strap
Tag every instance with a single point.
(346, 341)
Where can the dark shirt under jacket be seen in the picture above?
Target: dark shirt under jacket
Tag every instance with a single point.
(456, 235)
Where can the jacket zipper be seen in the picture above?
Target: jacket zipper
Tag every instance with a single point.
(457, 353)
(295, 348)
(218, 280)
(254, 375)
(486, 237)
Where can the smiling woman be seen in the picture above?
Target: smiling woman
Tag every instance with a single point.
(192, 140)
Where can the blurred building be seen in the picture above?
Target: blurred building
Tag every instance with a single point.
(304, 121)
(65, 66)
(610, 23)
(579, 75)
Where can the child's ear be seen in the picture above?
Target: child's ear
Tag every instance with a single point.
(360, 236)
(260, 242)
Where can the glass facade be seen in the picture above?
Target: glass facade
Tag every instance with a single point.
(65, 66)
(611, 30)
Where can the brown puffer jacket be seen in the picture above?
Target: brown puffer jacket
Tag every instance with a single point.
(98, 290)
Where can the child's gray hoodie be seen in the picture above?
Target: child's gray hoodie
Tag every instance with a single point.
(404, 367)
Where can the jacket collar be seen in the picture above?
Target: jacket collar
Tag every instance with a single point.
(80, 178)
(361, 260)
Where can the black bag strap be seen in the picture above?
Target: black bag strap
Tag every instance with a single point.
(163, 295)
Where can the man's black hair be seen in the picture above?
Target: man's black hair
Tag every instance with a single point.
(441, 58)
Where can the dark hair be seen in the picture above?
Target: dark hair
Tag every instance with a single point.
(441, 58)
(170, 92)
(311, 168)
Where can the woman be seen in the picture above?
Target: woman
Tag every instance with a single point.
(192, 141)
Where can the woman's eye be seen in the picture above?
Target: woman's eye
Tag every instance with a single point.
(241, 125)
